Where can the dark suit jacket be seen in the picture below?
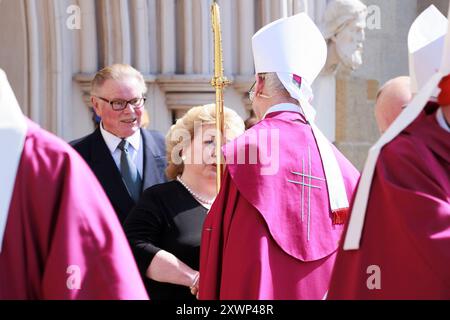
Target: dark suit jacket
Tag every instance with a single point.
(95, 152)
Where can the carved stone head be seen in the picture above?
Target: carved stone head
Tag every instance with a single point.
(343, 27)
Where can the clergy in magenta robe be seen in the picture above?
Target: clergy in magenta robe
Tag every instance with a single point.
(62, 238)
(405, 247)
(272, 236)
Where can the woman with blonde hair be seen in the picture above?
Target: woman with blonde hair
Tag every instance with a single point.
(164, 229)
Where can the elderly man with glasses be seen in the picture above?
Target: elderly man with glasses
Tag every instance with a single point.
(125, 158)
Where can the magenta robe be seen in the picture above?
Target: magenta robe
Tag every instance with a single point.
(62, 238)
(405, 246)
(255, 244)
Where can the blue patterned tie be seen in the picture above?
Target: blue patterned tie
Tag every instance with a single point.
(130, 174)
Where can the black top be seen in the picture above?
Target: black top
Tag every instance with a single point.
(167, 217)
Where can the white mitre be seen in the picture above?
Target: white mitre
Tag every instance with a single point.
(13, 130)
(425, 45)
(290, 45)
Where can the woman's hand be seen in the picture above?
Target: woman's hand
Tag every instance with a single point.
(165, 267)
(194, 286)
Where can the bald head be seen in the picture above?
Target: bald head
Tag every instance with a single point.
(391, 100)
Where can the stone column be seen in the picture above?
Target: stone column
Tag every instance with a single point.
(266, 7)
(154, 44)
(88, 37)
(324, 89)
(188, 37)
(122, 16)
(246, 21)
(356, 129)
(246, 70)
(115, 32)
(279, 9)
(442, 5)
(33, 61)
(229, 42)
(168, 45)
(140, 46)
(299, 6)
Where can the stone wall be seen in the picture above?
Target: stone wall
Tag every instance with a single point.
(385, 57)
(50, 65)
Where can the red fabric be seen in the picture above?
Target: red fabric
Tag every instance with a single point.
(254, 241)
(60, 217)
(340, 216)
(265, 184)
(444, 96)
(241, 261)
(407, 227)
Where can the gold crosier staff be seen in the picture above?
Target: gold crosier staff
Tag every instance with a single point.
(219, 82)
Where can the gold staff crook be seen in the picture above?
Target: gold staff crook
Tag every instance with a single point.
(219, 82)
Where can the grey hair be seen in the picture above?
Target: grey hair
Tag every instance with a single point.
(272, 83)
(116, 72)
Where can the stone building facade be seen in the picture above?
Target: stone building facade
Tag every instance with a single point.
(50, 50)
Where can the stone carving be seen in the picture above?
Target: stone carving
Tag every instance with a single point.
(343, 27)
(343, 24)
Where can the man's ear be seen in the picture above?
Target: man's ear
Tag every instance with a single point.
(260, 82)
(96, 106)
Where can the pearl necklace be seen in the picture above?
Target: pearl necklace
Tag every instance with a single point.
(196, 196)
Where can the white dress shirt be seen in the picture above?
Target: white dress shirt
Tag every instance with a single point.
(136, 151)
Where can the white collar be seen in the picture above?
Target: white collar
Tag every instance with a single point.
(13, 130)
(113, 141)
(283, 107)
(441, 120)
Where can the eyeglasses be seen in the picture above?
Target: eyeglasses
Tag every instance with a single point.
(119, 105)
(251, 92)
